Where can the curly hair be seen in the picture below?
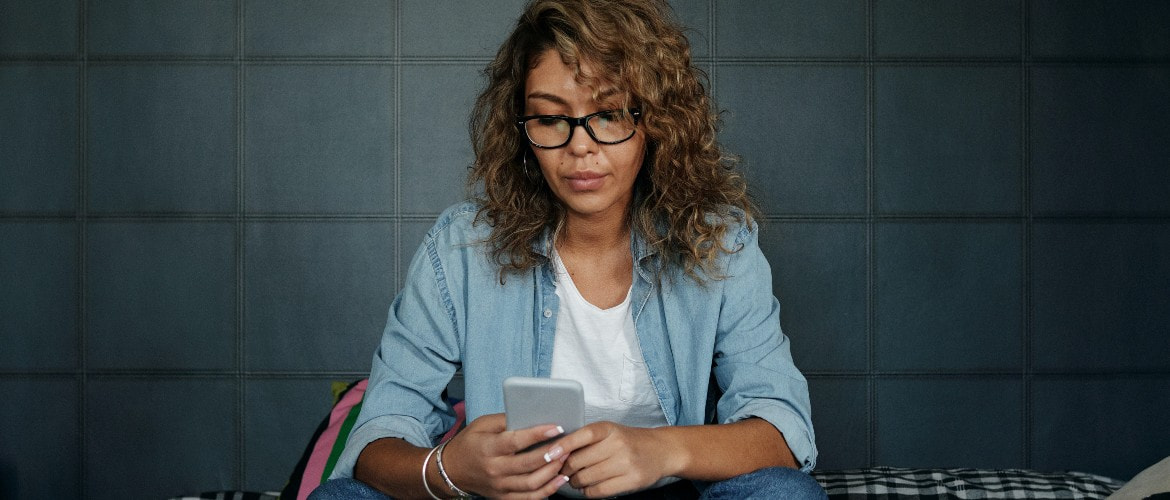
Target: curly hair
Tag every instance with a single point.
(687, 193)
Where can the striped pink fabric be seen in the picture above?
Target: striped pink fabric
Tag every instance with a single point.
(321, 449)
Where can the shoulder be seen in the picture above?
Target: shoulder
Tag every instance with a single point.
(739, 230)
(458, 224)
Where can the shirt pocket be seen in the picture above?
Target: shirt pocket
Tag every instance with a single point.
(636, 387)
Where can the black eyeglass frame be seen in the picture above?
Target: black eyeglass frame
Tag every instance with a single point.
(581, 121)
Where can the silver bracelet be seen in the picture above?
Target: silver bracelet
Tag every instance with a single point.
(424, 474)
(446, 478)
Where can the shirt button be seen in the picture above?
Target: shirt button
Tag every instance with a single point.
(548, 313)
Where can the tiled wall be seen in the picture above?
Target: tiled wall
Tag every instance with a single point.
(206, 207)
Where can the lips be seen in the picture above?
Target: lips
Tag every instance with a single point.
(585, 181)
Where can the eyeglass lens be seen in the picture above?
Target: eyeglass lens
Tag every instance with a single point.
(606, 127)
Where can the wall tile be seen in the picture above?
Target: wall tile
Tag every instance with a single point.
(160, 438)
(38, 152)
(818, 274)
(1101, 296)
(840, 410)
(948, 296)
(951, 28)
(436, 150)
(695, 16)
(176, 155)
(175, 27)
(319, 139)
(922, 422)
(40, 27)
(456, 28)
(1099, 139)
(793, 28)
(1099, 28)
(40, 431)
(1119, 424)
(161, 295)
(279, 418)
(317, 293)
(779, 119)
(947, 140)
(38, 265)
(309, 28)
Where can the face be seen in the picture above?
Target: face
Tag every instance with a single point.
(591, 179)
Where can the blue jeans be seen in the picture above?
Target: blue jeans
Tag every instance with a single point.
(774, 482)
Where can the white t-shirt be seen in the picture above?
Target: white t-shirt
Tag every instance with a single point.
(599, 348)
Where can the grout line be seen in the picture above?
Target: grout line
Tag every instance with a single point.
(82, 244)
(1067, 218)
(397, 141)
(240, 470)
(712, 48)
(1026, 247)
(870, 285)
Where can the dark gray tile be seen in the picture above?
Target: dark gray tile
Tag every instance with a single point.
(436, 151)
(319, 139)
(38, 156)
(457, 27)
(279, 418)
(317, 293)
(1119, 424)
(695, 17)
(38, 265)
(1099, 28)
(1101, 296)
(161, 295)
(177, 154)
(160, 438)
(950, 422)
(41, 435)
(948, 296)
(840, 410)
(951, 28)
(801, 133)
(179, 27)
(947, 140)
(1099, 139)
(310, 28)
(793, 28)
(818, 274)
(38, 27)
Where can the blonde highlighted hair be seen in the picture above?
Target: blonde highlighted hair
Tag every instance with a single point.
(687, 193)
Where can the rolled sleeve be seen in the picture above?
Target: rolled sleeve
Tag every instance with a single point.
(753, 359)
(386, 426)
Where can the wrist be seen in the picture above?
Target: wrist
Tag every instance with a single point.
(677, 456)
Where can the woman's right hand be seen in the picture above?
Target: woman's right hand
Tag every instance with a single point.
(488, 460)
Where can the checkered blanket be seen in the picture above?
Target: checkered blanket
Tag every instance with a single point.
(880, 483)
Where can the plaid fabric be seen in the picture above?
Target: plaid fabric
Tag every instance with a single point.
(881, 483)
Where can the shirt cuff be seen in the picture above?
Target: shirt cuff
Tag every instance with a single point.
(796, 432)
(386, 426)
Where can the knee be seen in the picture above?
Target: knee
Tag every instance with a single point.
(346, 489)
(772, 482)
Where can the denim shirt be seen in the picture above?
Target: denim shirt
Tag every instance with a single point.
(714, 352)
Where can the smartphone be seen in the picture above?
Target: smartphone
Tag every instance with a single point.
(532, 401)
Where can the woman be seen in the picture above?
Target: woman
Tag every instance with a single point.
(610, 232)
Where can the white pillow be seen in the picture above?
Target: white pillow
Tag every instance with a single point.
(1153, 480)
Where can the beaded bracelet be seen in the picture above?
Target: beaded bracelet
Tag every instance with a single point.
(447, 479)
(424, 474)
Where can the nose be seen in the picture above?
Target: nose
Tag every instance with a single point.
(581, 143)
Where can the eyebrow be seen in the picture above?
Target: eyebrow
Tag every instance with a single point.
(601, 96)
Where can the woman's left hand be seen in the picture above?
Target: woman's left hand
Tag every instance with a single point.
(607, 459)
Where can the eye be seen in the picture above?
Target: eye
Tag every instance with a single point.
(546, 121)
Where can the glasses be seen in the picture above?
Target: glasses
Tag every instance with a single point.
(612, 126)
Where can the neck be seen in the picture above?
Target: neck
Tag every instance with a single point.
(594, 232)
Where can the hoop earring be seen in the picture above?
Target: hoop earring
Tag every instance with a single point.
(528, 172)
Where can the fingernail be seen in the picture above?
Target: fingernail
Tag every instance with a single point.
(554, 432)
(562, 480)
(552, 454)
